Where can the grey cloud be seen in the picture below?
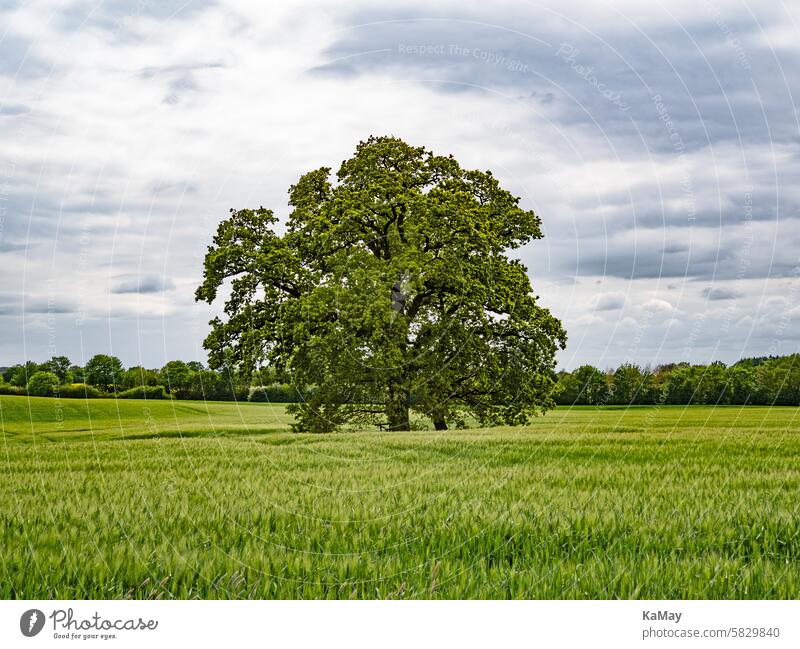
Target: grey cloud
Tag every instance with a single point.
(566, 280)
(143, 284)
(16, 304)
(178, 187)
(49, 306)
(177, 70)
(681, 94)
(760, 249)
(628, 264)
(17, 59)
(14, 109)
(180, 78)
(706, 90)
(674, 247)
(714, 293)
(11, 246)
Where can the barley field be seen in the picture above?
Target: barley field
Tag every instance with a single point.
(159, 499)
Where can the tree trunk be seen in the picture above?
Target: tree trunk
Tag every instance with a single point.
(397, 411)
(439, 423)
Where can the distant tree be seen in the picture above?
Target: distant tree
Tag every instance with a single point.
(681, 384)
(76, 374)
(208, 385)
(58, 365)
(195, 366)
(586, 386)
(21, 374)
(138, 376)
(566, 390)
(626, 384)
(103, 372)
(43, 384)
(741, 380)
(10, 375)
(755, 361)
(176, 377)
(778, 381)
(650, 389)
(391, 290)
(712, 385)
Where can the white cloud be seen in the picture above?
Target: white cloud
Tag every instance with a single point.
(658, 306)
(608, 301)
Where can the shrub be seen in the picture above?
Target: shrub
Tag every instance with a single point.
(144, 392)
(7, 388)
(42, 384)
(275, 393)
(79, 391)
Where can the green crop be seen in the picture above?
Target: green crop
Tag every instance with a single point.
(134, 499)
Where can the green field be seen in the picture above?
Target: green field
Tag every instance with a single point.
(110, 499)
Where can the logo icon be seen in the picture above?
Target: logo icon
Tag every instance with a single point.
(31, 622)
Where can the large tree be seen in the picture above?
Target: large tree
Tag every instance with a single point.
(390, 291)
(103, 371)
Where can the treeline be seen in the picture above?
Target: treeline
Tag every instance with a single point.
(757, 381)
(771, 380)
(105, 376)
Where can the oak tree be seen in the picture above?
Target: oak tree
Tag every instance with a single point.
(390, 291)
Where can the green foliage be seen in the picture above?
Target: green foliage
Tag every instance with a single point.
(585, 386)
(43, 384)
(681, 384)
(778, 381)
(585, 503)
(138, 376)
(7, 388)
(103, 372)
(58, 365)
(189, 380)
(275, 393)
(391, 291)
(19, 375)
(144, 392)
(176, 376)
(741, 381)
(764, 381)
(214, 386)
(79, 391)
(626, 383)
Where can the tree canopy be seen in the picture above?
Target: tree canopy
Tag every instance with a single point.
(390, 291)
(103, 371)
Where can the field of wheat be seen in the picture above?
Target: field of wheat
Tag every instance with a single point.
(158, 499)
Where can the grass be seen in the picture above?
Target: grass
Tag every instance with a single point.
(44, 419)
(105, 499)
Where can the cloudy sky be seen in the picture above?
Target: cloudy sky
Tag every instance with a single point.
(659, 142)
